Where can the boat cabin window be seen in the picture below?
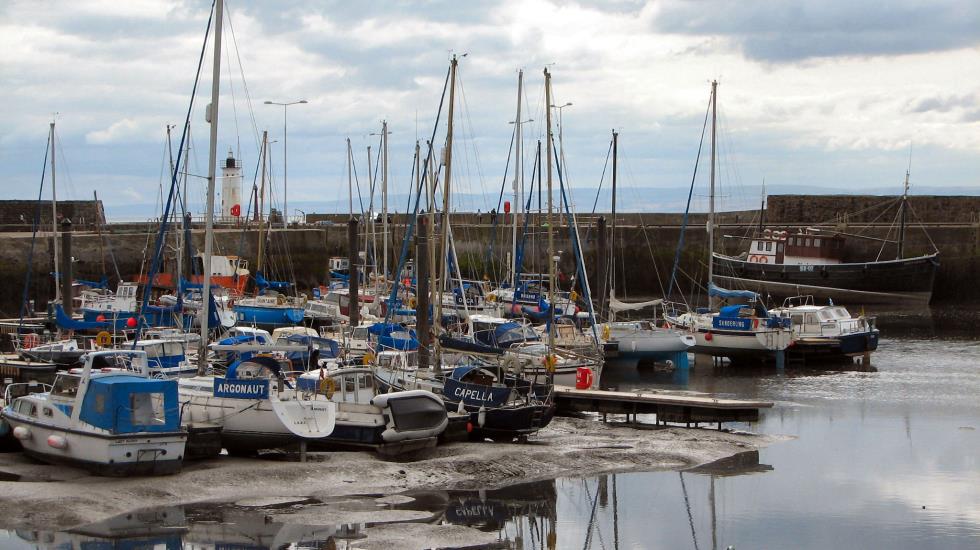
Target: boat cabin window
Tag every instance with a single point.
(65, 386)
(810, 318)
(27, 408)
(365, 381)
(768, 246)
(841, 313)
(825, 315)
(816, 242)
(360, 333)
(349, 382)
(146, 409)
(797, 318)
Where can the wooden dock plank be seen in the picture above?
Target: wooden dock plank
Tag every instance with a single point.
(667, 406)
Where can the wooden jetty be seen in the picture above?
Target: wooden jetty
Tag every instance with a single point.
(672, 407)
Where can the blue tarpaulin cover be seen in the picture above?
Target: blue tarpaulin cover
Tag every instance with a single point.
(718, 292)
(125, 404)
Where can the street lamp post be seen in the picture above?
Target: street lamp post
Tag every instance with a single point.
(285, 164)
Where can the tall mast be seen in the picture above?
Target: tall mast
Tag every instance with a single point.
(350, 185)
(904, 210)
(551, 235)
(261, 200)
(612, 231)
(209, 211)
(54, 223)
(446, 192)
(384, 196)
(711, 185)
(518, 175)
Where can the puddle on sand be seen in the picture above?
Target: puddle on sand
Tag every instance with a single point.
(300, 522)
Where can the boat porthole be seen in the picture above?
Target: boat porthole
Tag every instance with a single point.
(129, 455)
(164, 452)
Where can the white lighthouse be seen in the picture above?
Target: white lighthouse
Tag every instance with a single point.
(231, 188)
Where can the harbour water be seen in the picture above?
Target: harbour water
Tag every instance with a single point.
(882, 458)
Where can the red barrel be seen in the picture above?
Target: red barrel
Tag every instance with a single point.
(583, 378)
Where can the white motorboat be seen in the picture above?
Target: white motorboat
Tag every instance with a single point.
(108, 416)
(827, 332)
(258, 406)
(390, 423)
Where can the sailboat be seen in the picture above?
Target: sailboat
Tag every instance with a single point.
(639, 340)
(739, 331)
(255, 400)
(501, 405)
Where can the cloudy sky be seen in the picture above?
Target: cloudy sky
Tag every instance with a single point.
(813, 95)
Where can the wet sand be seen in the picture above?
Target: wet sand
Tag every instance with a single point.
(54, 497)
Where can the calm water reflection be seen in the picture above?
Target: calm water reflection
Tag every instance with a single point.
(885, 459)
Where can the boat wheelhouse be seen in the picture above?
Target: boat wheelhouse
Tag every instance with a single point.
(109, 417)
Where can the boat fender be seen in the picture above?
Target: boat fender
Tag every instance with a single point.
(605, 332)
(824, 274)
(481, 417)
(22, 433)
(57, 441)
(461, 409)
(708, 336)
(328, 387)
(755, 323)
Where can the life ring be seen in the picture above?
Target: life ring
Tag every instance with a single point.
(280, 299)
(328, 387)
(753, 259)
(412, 302)
(763, 259)
(103, 339)
(31, 340)
(491, 298)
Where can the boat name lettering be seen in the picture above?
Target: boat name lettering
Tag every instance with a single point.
(475, 395)
(241, 389)
(734, 324)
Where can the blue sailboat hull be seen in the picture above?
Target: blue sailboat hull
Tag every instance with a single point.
(269, 316)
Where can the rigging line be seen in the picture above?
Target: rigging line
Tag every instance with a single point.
(357, 183)
(500, 198)
(923, 227)
(412, 219)
(643, 230)
(687, 505)
(687, 209)
(155, 267)
(241, 70)
(37, 224)
(234, 107)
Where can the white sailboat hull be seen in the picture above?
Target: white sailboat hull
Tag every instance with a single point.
(251, 424)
